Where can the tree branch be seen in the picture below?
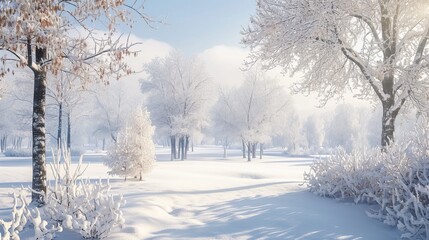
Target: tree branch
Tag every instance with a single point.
(421, 47)
(371, 26)
(34, 67)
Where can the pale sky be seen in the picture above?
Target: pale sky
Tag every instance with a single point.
(193, 26)
(210, 30)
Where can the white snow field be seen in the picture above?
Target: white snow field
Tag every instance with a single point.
(207, 197)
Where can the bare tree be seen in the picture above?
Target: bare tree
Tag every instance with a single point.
(379, 48)
(43, 35)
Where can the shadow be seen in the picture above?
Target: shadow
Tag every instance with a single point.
(223, 190)
(296, 215)
(302, 161)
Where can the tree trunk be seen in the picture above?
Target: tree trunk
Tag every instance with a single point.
(261, 150)
(176, 147)
(68, 132)
(179, 148)
(60, 121)
(244, 148)
(3, 143)
(39, 132)
(173, 147)
(14, 143)
(104, 143)
(224, 151)
(254, 150)
(387, 125)
(182, 140)
(249, 150)
(186, 146)
(19, 142)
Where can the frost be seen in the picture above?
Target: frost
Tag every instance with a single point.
(340, 44)
(178, 96)
(134, 151)
(397, 179)
(22, 215)
(81, 205)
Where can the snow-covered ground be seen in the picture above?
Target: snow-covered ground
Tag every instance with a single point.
(207, 197)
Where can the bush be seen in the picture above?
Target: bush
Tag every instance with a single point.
(71, 203)
(22, 216)
(397, 179)
(79, 204)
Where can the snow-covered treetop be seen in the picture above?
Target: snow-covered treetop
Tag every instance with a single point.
(341, 43)
(179, 92)
(251, 110)
(65, 29)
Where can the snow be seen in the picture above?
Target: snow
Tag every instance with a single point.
(207, 197)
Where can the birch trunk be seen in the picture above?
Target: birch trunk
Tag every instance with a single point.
(39, 132)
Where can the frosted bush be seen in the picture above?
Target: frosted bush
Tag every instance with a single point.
(343, 175)
(21, 217)
(397, 179)
(81, 205)
(71, 202)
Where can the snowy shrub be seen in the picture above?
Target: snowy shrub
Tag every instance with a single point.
(397, 179)
(81, 205)
(22, 216)
(343, 175)
(134, 151)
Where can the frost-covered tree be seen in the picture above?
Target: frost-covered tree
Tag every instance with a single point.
(288, 131)
(18, 96)
(251, 109)
(178, 92)
(134, 150)
(224, 120)
(379, 48)
(64, 97)
(260, 100)
(112, 105)
(311, 129)
(343, 128)
(43, 35)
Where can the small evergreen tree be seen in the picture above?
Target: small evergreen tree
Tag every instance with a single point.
(134, 151)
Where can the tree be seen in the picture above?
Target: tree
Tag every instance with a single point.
(112, 104)
(134, 150)
(341, 128)
(225, 120)
(252, 109)
(43, 35)
(312, 133)
(65, 97)
(288, 131)
(178, 98)
(378, 48)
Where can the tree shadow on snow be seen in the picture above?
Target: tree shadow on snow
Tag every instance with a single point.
(296, 215)
(295, 162)
(212, 191)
